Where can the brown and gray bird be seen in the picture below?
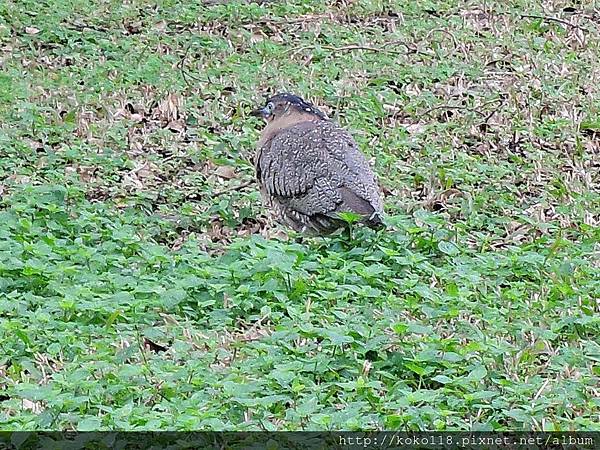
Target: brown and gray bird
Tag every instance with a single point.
(309, 169)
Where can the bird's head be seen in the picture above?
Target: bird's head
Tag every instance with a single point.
(281, 105)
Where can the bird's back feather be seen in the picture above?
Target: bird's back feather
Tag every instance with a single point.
(313, 170)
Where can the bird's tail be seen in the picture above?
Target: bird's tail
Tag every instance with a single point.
(375, 221)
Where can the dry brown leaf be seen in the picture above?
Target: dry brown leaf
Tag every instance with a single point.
(413, 128)
(160, 26)
(144, 173)
(19, 179)
(176, 125)
(34, 407)
(86, 173)
(256, 37)
(226, 172)
(169, 109)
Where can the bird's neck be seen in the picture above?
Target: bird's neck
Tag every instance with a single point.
(286, 121)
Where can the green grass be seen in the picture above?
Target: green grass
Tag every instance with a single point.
(142, 288)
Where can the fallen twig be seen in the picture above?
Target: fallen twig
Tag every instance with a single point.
(464, 108)
(234, 188)
(382, 49)
(553, 19)
(185, 73)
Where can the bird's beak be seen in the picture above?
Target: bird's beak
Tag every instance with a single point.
(260, 112)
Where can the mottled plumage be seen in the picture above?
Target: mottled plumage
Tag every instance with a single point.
(309, 169)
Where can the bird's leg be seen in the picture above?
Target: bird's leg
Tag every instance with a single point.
(349, 232)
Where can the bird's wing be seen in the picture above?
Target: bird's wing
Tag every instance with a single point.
(359, 183)
(317, 168)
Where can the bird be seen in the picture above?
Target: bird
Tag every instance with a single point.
(310, 170)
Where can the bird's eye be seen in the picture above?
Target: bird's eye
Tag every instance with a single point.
(269, 108)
